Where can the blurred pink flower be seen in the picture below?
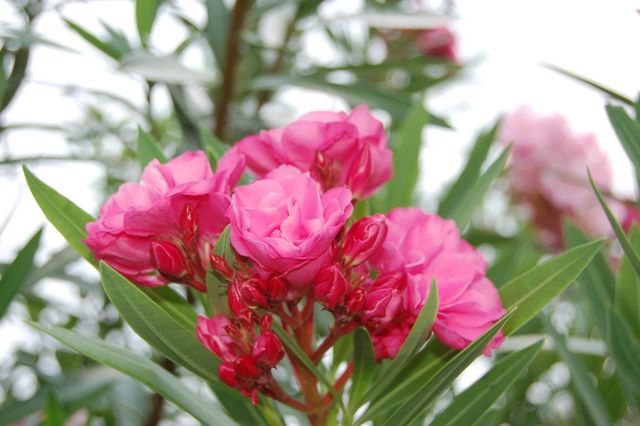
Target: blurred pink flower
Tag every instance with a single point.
(170, 220)
(422, 247)
(286, 225)
(438, 43)
(336, 148)
(548, 174)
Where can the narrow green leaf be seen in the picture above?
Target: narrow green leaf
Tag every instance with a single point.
(628, 131)
(146, 11)
(417, 406)
(15, 275)
(534, 289)
(69, 219)
(3, 77)
(617, 229)
(627, 296)
(223, 247)
(55, 411)
(216, 30)
(406, 158)
(470, 173)
(148, 149)
(96, 42)
(417, 336)
(163, 332)
(290, 343)
(624, 349)
(463, 208)
(143, 370)
(215, 288)
(583, 384)
(363, 365)
(468, 407)
(607, 91)
(173, 304)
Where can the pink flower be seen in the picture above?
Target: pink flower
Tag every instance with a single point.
(423, 247)
(286, 225)
(548, 174)
(336, 148)
(363, 239)
(179, 206)
(438, 43)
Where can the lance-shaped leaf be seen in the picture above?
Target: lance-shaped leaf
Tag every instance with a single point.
(146, 11)
(363, 365)
(143, 370)
(627, 297)
(69, 219)
(607, 91)
(15, 275)
(468, 407)
(628, 131)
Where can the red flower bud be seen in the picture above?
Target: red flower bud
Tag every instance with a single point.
(251, 294)
(363, 240)
(246, 371)
(384, 299)
(227, 373)
(355, 301)
(265, 324)
(331, 286)
(221, 267)
(268, 350)
(169, 260)
(188, 224)
(276, 290)
(236, 304)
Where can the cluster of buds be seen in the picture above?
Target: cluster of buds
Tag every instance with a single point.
(179, 259)
(247, 357)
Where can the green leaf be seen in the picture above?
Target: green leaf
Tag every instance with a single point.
(148, 149)
(470, 173)
(223, 247)
(419, 333)
(627, 294)
(416, 407)
(163, 69)
(462, 208)
(146, 11)
(534, 289)
(69, 219)
(617, 229)
(15, 275)
(216, 30)
(105, 47)
(162, 331)
(143, 370)
(584, 385)
(363, 364)
(55, 411)
(624, 349)
(213, 146)
(468, 407)
(628, 131)
(607, 91)
(173, 304)
(406, 158)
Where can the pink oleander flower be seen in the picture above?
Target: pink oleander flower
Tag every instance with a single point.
(164, 227)
(286, 225)
(336, 148)
(548, 174)
(439, 43)
(420, 247)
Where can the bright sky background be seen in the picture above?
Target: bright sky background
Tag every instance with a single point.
(508, 38)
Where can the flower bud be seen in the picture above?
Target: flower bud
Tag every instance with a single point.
(246, 370)
(363, 240)
(359, 175)
(355, 301)
(268, 350)
(169, 260)
(383, 299)
(236, 304)
(227, 373)
(221, 266)
(331, 286)
(214, 334)
(276, 290)
(251, 294)
(188, 224)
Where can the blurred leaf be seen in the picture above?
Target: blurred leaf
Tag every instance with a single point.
(624, 349)
(69, 219)
(468, 407)
(105, 47)
(55, 412)
(129, 402)
(213, 147)
(433, 385)
(466, 202)
(534, 289)
(470, 173)
(143, 370)
(363, 365)
(579, 375)
(627, 298)
(157, 327)
(148, 149)
(628, 131)
(609, 92)
(629, 251)
(146, 11)
(15, 275)
(406, 158)
(3, 76)
(18, 72)
(162, 69)
(216, 29)
(419, 333)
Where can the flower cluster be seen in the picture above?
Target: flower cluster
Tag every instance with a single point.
(548, 175)
(295, 245)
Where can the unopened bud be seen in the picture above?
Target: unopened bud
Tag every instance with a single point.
(221, 266)
(363, 240)
(236, 304)
(268, 350)
(251, 294)
(355, 301)
(331, 286)
(227, 373)
(169, 260)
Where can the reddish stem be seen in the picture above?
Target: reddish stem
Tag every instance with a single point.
(327, 343)
(279, 394)
(339, 384)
